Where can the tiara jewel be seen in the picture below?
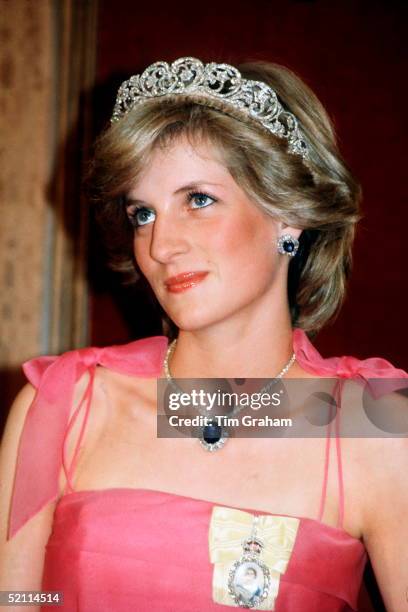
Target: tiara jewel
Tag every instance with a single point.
(207, 84)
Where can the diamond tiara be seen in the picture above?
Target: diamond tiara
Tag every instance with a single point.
(210, 84)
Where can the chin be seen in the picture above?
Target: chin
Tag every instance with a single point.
(192, 319)
(200, 320)
(190, 323)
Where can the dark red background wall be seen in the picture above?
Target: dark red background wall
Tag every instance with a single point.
(354, 55)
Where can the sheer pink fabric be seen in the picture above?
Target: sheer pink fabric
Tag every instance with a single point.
(129, 549)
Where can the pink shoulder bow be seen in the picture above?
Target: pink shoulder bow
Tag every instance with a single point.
(378, 374)
(41, 445)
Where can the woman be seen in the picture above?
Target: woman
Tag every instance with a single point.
(228, 192)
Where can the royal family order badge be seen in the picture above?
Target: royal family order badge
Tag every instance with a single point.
(250, 553)
(249, 579)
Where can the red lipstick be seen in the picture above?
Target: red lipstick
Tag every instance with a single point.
(184, 281)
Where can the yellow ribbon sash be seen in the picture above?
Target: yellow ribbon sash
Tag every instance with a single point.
(228, 530)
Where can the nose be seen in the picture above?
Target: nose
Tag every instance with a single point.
(169, 238)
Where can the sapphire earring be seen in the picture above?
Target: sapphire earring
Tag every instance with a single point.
(288, 245)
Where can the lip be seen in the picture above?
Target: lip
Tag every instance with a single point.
(185, 280)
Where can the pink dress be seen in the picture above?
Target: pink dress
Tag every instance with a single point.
(123, 549)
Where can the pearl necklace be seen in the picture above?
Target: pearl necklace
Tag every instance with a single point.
(213, 435)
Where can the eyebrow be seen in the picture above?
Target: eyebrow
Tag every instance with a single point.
(194, 185)
(190, 187)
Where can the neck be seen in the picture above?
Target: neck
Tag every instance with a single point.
(251, 347)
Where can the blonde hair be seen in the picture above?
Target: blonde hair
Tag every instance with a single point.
(321, 197)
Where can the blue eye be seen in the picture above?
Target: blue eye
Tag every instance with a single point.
(202, 200)
(140, 216)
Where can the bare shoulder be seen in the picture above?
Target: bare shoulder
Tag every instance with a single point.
(373, 461)
(14, 426)
(375, 452)
(21, 557)
(19, 408)
(383, 501)
(385, 484)
(375, 430)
